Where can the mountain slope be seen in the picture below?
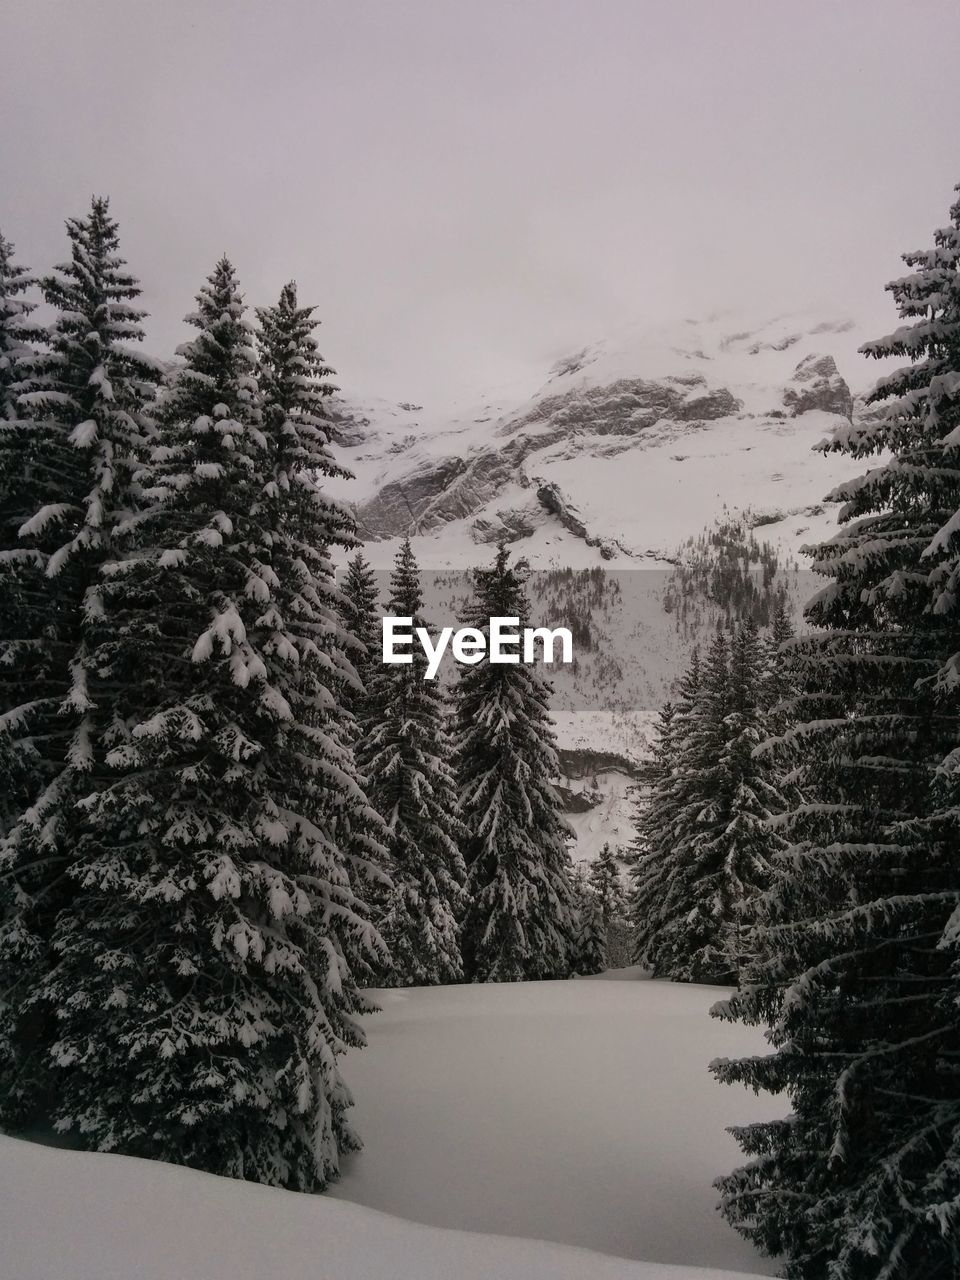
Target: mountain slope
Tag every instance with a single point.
(618, 456)
(624, 450)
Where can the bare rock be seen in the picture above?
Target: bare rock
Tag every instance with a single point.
(817, 384)
(625, 407)
(399, 506)
(435, 491)
(509, 524)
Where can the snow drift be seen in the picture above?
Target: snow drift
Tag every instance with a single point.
(578, 1112)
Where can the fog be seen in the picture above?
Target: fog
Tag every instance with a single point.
(468, 190)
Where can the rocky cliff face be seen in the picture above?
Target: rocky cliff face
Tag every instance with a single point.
(426, 496)
(817, 384)
(608, 431)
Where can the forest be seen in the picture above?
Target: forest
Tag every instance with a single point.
(225, 822)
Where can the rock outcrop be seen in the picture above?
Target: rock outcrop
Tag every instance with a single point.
(552, 498)
(435, 491)
(582, 762)
(817, 384)
(509, 524)
(625, 407)
(399, 506)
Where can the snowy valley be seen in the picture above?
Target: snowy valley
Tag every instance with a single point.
(602, 473)
(342, 935)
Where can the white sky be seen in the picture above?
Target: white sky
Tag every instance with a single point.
(470, 189)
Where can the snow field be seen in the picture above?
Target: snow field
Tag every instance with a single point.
(542, 1115)
(112, 1218)
(580, 1112)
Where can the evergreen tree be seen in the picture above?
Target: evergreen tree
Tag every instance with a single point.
(745, 842)
(206, 978)
(589, 945)
(404, 757)
(361, 617)
(520, 918)
(704, 833)
(304, 523)
(677, 884)
(18, 334)
(658, 798)
(607, 884)
(779, 679)
(859, 987)
(18, 339)
(693, 946)
(295, 394)
(69, 498)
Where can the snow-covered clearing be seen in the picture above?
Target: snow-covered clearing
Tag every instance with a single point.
(579, 1113)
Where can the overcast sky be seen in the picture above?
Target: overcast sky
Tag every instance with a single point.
(469, 190)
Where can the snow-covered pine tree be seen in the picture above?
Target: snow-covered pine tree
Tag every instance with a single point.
(520, 918)
(83, 421)
(404, 757)
(206, 979)
(657, 801)
(607, 884)
(590, 942)
(295, 395)
(862, 1180)
(676, 892)
(19, 337)
(778, 674)
(745, 841)
(703, 836)
(361, 618)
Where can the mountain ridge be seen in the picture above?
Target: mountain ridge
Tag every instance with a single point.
(590, 465)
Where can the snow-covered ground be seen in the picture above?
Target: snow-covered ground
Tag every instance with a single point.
(580, 1112)
(72, 1216)
(542, 1115)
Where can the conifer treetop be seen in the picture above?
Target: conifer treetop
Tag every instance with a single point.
(17, 333)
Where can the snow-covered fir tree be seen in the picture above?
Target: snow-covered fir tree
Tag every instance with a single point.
(69, 454)
(859, 989)
(18, 333)
(778, 674)
(745, 842)
(676, 888)
(361, 616)
(521, 917)
(704, 834)
(607, 883)
(206, 977)
(19, 337)
(305, 523)
(657, 801)
(590, 935)
(404, 756)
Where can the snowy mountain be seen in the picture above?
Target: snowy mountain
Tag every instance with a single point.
(615, 457)
(620, 451)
